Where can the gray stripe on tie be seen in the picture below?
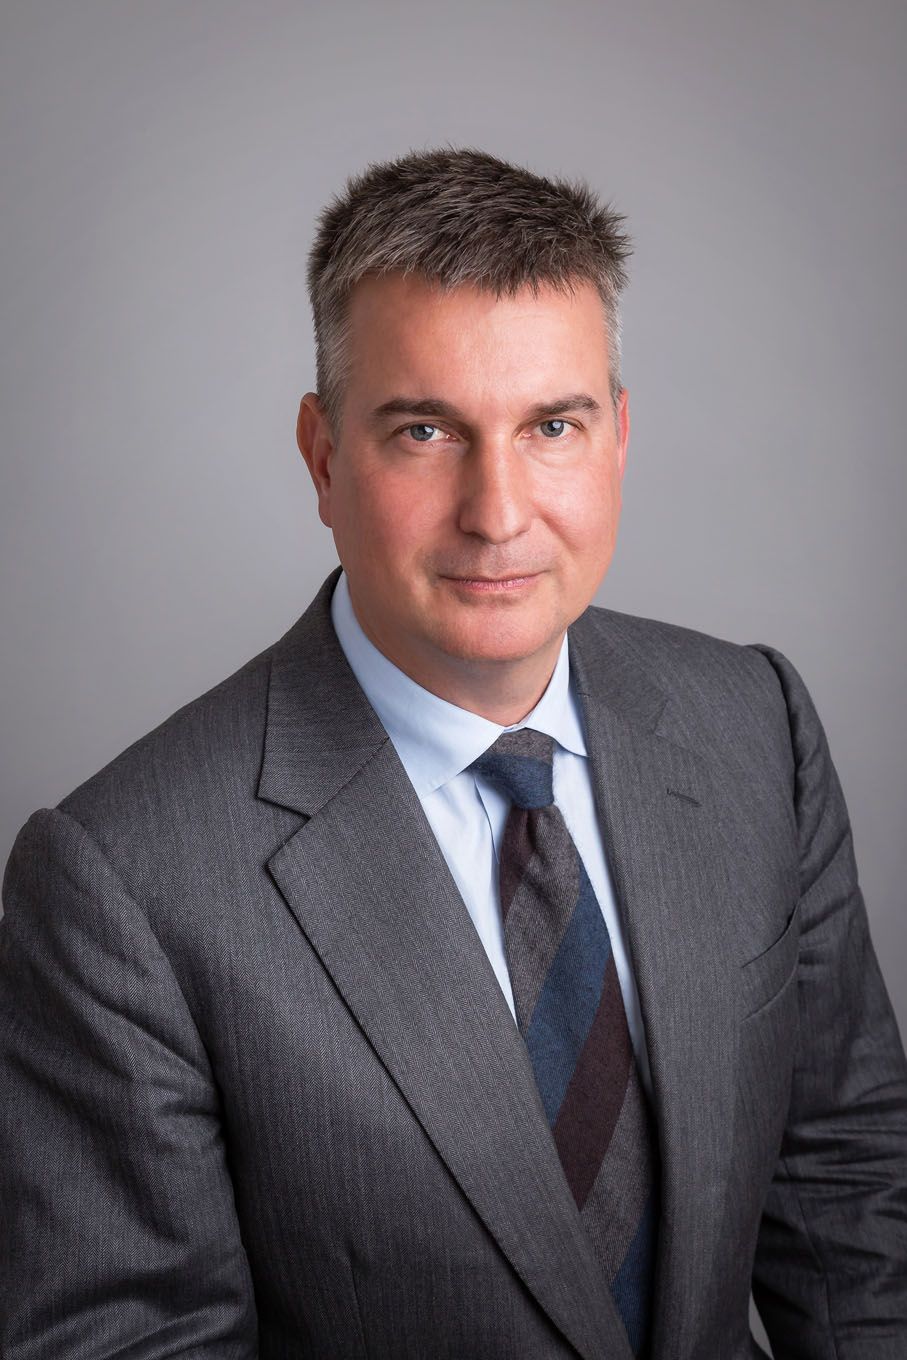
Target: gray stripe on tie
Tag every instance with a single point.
(551, 879)
(526, 741)
(618, 1197)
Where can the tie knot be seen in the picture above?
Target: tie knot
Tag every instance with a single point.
(520, 763)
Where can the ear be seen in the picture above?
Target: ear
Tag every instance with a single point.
(623, 430)
(313, 435)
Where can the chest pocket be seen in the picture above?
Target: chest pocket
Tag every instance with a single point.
(765, 976)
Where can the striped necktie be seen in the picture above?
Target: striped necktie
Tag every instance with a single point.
(571, 1015)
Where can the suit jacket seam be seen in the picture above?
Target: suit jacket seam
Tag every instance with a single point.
(816, 1254)
(131, 896)
(768, 653)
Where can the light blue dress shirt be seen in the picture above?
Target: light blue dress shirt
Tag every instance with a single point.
(437, 741)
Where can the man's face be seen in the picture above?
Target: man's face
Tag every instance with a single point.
(474, 490)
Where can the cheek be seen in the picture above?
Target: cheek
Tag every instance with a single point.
(360, 508)
(388, 523)
(586, 512)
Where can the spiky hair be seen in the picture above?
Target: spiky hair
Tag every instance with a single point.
(458, 216)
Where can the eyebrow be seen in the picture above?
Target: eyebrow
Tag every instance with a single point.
(444, 410)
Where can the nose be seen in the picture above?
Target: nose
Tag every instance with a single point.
(495, 502)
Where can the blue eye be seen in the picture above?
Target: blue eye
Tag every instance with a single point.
(421, 433)
(553, 433)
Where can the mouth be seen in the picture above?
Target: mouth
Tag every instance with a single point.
(492, 585)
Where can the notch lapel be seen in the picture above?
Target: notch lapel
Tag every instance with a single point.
(674, 887)
(370, 888)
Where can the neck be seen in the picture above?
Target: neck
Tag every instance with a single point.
(502, 691)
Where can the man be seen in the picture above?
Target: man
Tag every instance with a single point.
(474, 973)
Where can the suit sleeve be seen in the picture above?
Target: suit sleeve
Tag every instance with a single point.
(830, 1272)
(119, 1233)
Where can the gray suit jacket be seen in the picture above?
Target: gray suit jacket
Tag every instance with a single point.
(262, 1095)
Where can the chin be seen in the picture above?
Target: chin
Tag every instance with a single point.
(496, 643)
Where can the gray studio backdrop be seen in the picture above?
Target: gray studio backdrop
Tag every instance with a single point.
(162, 163)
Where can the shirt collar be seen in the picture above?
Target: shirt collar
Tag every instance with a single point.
(434, 739)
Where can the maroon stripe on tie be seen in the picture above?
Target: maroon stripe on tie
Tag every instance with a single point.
(593, 1100)
(516, 852)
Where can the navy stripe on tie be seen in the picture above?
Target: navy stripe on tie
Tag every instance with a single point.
(569, 999)
(629, 1288)
(527, 780)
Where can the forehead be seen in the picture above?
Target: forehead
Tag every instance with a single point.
(408, 331)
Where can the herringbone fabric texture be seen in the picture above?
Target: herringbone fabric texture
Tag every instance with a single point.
(571, 1014)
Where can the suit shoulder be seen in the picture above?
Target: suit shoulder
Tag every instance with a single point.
(686, 661)
(199, 755)
(732, 702)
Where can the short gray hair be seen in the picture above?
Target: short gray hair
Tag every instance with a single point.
(459, 216)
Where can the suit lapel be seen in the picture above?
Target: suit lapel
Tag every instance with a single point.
(370, 889)
(674, 887)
